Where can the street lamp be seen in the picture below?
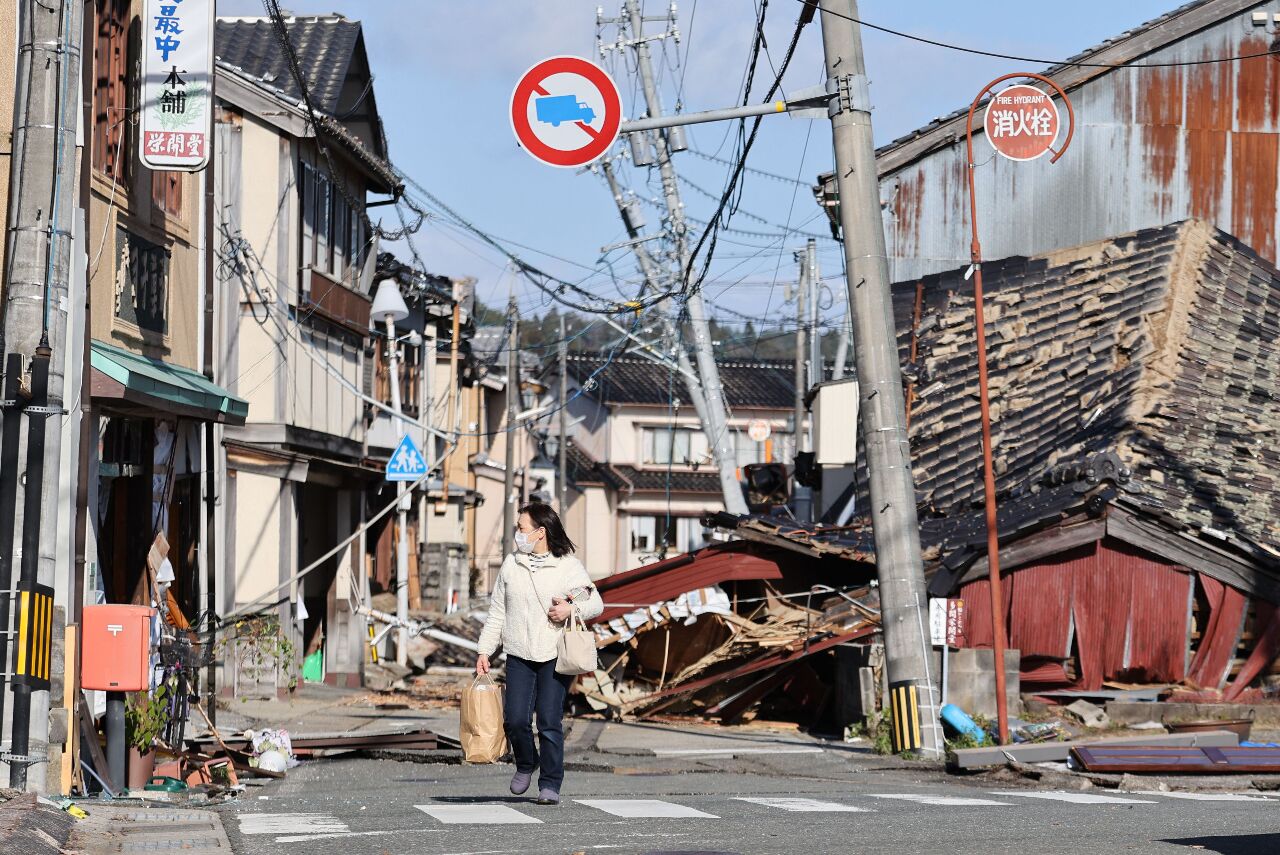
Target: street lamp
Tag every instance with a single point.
(389, 305)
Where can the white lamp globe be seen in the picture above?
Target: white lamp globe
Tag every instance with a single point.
(388, 303)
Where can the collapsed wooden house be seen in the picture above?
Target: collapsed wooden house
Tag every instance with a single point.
(1134, 398)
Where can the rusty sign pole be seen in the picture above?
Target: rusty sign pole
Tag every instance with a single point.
(988, 472)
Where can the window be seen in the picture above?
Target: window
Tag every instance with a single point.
(664, 445)
(410, 376)
(115, 56)
(332, 233)
(663, 534)
(166, 192)
(142, 283)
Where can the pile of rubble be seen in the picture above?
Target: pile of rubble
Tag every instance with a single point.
(709, 654)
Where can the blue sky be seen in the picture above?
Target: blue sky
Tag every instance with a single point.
(445, 70)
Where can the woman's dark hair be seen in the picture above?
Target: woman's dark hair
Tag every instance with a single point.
(545, 517)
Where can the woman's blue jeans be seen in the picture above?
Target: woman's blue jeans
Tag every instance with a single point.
(535, 686)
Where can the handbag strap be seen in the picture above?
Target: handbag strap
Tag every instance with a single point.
(537, 593)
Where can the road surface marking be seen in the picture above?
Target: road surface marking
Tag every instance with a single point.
(644, 808)
(477, 814)
(1078, 798)
(803, 805)
(304, 838)
(290, 823)
(1207, 797)
(681, 752)
(940, 801)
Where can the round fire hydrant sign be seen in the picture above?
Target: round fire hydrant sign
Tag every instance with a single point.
(1021, 122)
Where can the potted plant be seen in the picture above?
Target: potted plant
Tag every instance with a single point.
(145, 717)
(262, 655)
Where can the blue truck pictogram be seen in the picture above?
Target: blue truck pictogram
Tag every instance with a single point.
(554, 109)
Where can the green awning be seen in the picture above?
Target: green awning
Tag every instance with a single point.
(140, 382)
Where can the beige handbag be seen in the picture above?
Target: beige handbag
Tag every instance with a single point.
(576, 648)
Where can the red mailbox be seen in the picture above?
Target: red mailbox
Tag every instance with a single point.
(115, 648)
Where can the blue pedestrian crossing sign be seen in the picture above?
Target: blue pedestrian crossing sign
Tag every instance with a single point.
(406, 463)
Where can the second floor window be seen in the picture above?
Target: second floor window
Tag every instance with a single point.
(142, 283)
(115, 55)
(332, 233)
(663, 446)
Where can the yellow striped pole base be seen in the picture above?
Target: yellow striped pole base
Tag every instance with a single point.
(904, 711)
(34, 651)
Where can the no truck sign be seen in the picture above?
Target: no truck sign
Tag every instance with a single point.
(566, 111)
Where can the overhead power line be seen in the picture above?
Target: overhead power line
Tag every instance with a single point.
(813, 4)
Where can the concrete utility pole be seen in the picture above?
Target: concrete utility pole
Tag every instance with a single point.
(715, 420)
(509, 438)
(893, 507)
(42, 208)
(562, 465)
(653, 280)
(815, 331)
(802, 292)
(402, 509)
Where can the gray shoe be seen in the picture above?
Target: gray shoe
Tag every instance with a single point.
(520, 782)
(548, 797)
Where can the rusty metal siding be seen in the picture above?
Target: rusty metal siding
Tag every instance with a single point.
(1153, 146)
(1125, 614)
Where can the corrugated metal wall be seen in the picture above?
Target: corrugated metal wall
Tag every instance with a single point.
(1111, 611)
(1153, 146)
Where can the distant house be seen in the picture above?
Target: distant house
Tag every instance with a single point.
(642, 476)
(1135, 416)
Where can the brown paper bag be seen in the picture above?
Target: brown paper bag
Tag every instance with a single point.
(484, 740)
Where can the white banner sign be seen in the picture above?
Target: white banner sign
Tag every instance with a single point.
(177, 70)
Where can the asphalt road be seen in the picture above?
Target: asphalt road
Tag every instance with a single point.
(828, 805)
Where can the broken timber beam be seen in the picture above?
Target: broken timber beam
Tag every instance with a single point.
(1048, 752)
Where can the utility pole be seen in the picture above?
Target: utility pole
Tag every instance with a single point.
(653, 280)
(42, 205)
(562, 468)
(803, 502)
(509, 438)
(815, 331)
(893, 505)
(715, 420)
(402, 509)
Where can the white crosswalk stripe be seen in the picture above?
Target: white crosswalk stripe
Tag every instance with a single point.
(480, 813)
(802, 805)
(1209, 797)
(940, 801)
(1076, 798)
(290, 823)
(644, 808)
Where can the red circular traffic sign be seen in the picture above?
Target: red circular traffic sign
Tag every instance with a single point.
(1021, 122)
(566, 111)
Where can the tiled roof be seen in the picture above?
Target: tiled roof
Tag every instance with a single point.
(1141, 370)
(584, 470)
(324, 45)
(706, 480)
(635, 380)
(1160, 346)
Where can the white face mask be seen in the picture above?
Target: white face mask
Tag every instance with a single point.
(523, 542)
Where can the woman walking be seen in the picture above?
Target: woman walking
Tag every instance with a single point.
(539, 587)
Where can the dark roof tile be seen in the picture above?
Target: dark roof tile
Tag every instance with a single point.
(635, 380)
(324, 45)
